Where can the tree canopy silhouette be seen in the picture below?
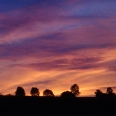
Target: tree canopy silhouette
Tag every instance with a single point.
(99, 93)
(48, 92)
(34, 91)
(67, 94)
(20, 91)
(75, 89)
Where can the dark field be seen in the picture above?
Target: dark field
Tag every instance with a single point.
(40, 106)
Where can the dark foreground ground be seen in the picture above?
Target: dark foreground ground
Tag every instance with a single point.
(45, 106)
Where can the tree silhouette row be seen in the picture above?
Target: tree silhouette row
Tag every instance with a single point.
(74, 92)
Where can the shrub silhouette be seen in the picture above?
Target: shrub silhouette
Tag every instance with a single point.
(67, 94)
(8, 95)
(34, 91)
(48, 92)
(75, 89)
(20, 91)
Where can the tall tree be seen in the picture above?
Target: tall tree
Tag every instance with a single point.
(34, 91)
(75, 89)
(20, 91)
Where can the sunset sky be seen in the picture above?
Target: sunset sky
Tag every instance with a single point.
(53, 44)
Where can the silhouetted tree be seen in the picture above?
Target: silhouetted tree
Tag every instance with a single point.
(109, 92)
(20, 91)
(34, 91)
(75, 89)
(67, 94)
(48, 92)
(99, 93)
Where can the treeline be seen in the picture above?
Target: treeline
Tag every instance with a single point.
(74, 92)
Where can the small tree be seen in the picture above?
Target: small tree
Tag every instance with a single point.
(75, 89)
(48, 92)
(20, 91)
(67, 94)
(34, 91)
